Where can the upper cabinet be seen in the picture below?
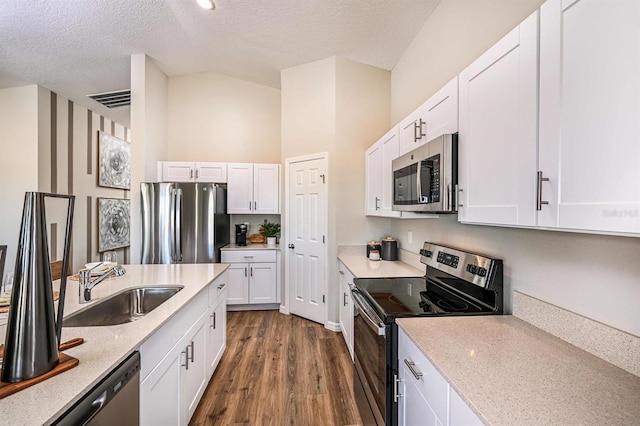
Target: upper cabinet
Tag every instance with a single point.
(180, 171)
(253, 188)
(437, 116)
(498, 136)
(379, 175)
(590, 115)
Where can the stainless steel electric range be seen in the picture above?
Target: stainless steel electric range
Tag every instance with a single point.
(457, 282)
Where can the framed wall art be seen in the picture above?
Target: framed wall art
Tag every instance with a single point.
(114, 223)
(114, 162)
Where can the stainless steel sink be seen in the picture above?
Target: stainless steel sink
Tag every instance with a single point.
(126, 306)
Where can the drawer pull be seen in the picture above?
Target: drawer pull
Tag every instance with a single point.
(186, 358)
(221, 286)
(248, 257)
(411, 365)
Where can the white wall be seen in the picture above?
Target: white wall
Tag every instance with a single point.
(340, 107)
(592, 275)
(149, 95)
(212, 117)
(18, 162)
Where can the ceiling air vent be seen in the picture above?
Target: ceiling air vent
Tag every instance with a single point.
(113, 99)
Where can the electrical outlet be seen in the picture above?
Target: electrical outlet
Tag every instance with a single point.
(410, 237)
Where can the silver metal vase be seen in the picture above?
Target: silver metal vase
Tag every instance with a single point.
(33, 336)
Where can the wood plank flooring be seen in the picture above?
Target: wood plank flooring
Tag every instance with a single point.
(279, 370)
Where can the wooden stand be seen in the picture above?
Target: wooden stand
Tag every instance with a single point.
(65, 363)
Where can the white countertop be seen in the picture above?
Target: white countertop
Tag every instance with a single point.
(251, 246)
(104, 347)
(362, 267)
(512, 373)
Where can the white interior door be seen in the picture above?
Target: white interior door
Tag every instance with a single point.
(306, 230)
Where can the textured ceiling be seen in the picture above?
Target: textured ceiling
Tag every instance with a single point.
(80, 47)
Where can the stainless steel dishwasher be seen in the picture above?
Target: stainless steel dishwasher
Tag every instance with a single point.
(115, 400)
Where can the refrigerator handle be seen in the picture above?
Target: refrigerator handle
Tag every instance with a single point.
(172, 225)
(178, 219)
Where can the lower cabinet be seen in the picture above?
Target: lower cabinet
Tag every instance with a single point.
(253, 276)
(346, 306)
(171, 388)
(426, 398)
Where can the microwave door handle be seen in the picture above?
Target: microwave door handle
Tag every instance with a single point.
(419, 183)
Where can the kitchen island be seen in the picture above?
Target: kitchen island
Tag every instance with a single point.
(106, 346)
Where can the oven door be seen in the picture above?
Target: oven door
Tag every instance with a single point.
(369, 347)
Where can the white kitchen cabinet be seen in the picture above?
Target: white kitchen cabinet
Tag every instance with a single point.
(441, 111)
(426, 397)
(178, 360)
(379, 175)
(216, 335)
(435, 117)
(179, 171)
(497, 135)
(195, 377)
(589, 115)
(253, 188)
(346, 306)
(412, 131)
(253, 276)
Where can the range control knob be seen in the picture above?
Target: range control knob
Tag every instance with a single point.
(425, 253)
(472, 268)
(481, 272)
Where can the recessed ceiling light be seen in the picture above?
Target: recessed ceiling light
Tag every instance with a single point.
(206, 4)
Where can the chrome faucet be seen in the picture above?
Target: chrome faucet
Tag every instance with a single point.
(86, 285)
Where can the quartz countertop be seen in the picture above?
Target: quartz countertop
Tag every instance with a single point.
(250, 246)
(105, 347)
(362, 267)
(512, 373)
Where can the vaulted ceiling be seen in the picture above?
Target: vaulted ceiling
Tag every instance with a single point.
(81, 47)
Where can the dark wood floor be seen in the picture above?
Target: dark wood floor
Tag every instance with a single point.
(279, 370)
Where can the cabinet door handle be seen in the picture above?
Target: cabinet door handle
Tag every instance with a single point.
(251, 269)
(420, 123)
(191, 174)
(186, 358)
(213, 317)
(377, 203)
(255, 205)
(539, 201)
(192, 350)
(344, 299)
(341, 272)
(396, 394)
(197, 173)
(416, 373)
(249, 205)
(415, 131)
(457, 202)
(245, 271)
(221, 286)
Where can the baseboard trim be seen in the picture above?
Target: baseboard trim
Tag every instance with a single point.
(333, 326)
(284, 310)
(263, 307)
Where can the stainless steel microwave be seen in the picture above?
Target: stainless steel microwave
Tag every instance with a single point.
(425, 179)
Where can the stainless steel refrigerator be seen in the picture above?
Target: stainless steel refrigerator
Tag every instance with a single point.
(183, 222)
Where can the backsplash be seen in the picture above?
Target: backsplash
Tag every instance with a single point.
(617, 347)
(254, 221)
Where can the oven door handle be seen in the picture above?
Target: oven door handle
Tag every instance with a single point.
(376, 324)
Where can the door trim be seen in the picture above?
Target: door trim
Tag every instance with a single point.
(284, 308)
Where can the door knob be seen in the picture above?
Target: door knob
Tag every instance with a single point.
(291, 246)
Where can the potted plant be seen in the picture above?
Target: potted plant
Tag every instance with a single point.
(271, 231)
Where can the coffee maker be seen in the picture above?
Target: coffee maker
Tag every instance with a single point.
(241, 234)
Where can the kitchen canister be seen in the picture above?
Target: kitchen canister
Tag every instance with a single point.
(389, 249)
(373, 246)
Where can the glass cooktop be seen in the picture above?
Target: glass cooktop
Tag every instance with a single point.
(403, 297)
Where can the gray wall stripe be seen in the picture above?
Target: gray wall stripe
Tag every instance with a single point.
(89, 205)
(113, 128)
(89, 144)
(54, 143)
(126, 134)
(70, 149)
(101, 123)
(54, 242)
